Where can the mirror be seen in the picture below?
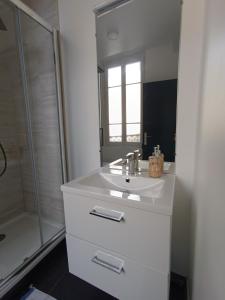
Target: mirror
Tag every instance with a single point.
(138, 50)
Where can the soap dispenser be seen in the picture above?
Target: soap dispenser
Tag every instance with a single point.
(156, 163)
(161, 155)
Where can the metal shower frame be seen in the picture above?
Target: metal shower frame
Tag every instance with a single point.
(22, 270)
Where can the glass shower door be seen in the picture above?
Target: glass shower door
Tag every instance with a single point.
(19, 222)
(31, 204)
(37, 46)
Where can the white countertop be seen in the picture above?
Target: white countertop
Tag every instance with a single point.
(89, 186)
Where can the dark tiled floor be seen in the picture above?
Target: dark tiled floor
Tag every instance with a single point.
(52, 276)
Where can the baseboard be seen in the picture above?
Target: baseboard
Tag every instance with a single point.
(188, 290)
(179, 284)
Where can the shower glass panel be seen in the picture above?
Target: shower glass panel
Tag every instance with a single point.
(31, 205)
(38, 50)
(19, 225)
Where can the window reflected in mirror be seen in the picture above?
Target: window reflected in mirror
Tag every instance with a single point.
(124, 103)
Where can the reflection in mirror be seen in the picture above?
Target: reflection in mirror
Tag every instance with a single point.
(138, 50)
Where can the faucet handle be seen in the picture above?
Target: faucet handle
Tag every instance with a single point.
(137, 153)
(130, 156)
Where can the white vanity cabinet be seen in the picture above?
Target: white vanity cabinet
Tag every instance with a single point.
(117, 247)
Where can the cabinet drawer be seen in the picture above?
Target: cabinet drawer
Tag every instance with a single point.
(137, 234)
(97, 266)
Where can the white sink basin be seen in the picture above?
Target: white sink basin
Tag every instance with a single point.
(131, 183)
(143, 186)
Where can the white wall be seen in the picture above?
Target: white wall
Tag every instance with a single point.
(161, 63)
(208, 209)
(189, 89)
(77, 25)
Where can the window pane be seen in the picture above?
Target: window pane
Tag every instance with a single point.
(133, 133)
(114, 76)
(133, 103)
(133, 73)
(115, 133)
(115, 105)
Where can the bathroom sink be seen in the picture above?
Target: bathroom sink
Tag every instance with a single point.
(131, 183)
(119, 184)
(115, 185)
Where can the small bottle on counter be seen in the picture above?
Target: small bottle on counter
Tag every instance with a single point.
(161, 156)
(156, 162)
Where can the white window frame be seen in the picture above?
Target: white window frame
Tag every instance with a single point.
(116, 63)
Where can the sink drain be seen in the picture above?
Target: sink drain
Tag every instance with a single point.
(2, 237)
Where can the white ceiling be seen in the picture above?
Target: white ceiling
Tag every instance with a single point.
(140, 24)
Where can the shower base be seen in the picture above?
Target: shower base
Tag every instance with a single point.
(22, 239)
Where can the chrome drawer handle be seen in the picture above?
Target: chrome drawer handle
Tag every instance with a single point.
(113, 215)
(108, 261)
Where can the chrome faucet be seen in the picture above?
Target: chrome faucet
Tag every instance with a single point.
(132, 161)
(137, 157)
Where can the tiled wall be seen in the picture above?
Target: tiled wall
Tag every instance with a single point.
(47, 9)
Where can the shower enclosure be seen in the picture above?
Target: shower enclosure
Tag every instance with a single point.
(32, 152)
